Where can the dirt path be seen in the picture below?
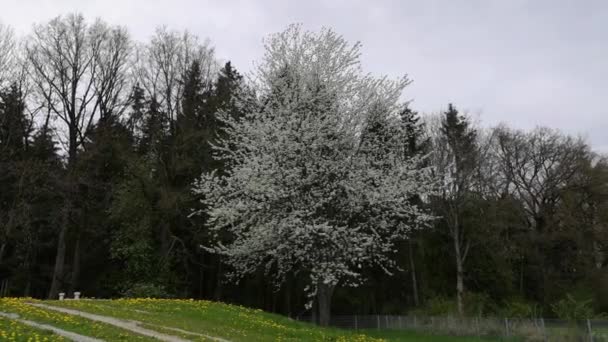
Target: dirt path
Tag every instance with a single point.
(67, 334)
(134, 326)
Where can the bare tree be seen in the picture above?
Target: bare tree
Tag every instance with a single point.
(7, 54)
(538, 167)
(161, 65)
(111, 82)
(77, 70)
(62, 55)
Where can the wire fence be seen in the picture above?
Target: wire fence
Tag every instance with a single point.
(538, 329)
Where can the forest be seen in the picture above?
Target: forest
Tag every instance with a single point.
(304, 187)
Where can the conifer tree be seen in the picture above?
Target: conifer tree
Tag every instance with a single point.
(455, 161)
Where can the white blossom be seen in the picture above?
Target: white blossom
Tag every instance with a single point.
(310, 188)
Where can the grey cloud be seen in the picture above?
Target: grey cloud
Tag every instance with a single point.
(526, 63)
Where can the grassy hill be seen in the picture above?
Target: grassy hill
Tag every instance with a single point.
(184, 320)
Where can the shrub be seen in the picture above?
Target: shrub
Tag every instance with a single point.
(437, 306)
(518, 308)
(477, 304)
(572, 309)
(145, 290)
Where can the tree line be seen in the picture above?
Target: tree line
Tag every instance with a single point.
(151, 169)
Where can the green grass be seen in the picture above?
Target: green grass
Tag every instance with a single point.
(406, 336)
(71, 323)
(11, 330)
(234, 322)
(228, 321)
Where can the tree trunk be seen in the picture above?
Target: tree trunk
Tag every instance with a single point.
(57, 281)
(75, 267)
(288, 287)
(459, 272)
(521, 277)
(217, 295)
(314, 316)
(59, 258)
(2, 249)
(598, 254)
(324, 293)
(460, 288)
(164, 241)
(413, 271)
(8, 229)
(27, 266)
(28, 286)
(275, 296)
(201, 279)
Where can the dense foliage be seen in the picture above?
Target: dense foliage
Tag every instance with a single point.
(150, 169)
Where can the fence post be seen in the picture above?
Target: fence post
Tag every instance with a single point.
(378, 322)
(589, 330)
(507, 327)
(386, 321)
(415, 322)
(400, 323)
(356, 323)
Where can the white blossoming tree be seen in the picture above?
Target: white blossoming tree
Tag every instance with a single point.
(317, 180)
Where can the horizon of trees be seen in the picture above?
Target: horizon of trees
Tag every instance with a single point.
(105, 144)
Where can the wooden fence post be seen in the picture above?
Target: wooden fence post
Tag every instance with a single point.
(589, 331)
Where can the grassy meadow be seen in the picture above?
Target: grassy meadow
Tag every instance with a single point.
(191, 320)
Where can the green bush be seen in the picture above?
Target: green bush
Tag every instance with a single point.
(437, 306)
(518, 308)
(477, 304)
(145, 290)
(572, 309)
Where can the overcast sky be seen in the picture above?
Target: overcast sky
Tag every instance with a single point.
(526, 63)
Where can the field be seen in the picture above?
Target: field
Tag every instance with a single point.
(173, 320)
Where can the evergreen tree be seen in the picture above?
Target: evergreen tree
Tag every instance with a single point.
(30, 171)
(416, 140)
(14, 134)
(136, 115)
(461, 139)
(155, 131)
(417, 144)
(455, 162)
(101, 167)
(14, 126)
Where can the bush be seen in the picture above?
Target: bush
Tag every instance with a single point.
(518, 308)
(145, 290)
(572, 309)
(477, 304)
(437, 306)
